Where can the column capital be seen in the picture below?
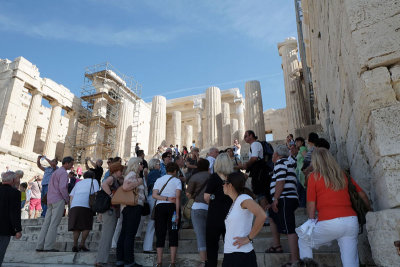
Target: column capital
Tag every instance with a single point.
(198, 103)
(70, 113)
(238, 100)
(36, 92)
(55, 103)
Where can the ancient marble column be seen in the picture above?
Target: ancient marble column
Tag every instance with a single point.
(234, 130)
(240, 117)
(50, 144)
(254, 109)
(28, 135)
(295, 100)
(157, 123)
(226, 124)
(213, 116)
(188, 136)
(198, 107)
(70, 139)
(176, 128)
(122, 125)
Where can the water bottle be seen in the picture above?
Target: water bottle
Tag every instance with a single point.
(174, 224)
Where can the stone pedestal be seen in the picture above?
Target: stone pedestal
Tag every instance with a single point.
(226, 125)
(213, 116)
(254, 109)
(240, 116)
(28, 135)
(188, 136)
(70, 139)
(157, 123)
(234, 130)
(295, 99)
(176, 128)
(51, 138)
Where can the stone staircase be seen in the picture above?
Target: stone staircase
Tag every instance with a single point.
(22, 252)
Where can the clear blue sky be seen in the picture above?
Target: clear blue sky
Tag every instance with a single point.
(173, 48)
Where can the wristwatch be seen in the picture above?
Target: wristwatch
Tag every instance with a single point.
(251, 240)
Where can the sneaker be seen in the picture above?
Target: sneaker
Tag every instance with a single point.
(75, 249)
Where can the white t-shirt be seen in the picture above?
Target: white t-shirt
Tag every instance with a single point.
(256, 150)
(211, 160)
(170, 189)
(238, 223)
(81, 192)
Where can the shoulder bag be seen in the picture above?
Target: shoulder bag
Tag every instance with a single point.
(187, 209)
(122, 197)
(357, 204)
(153, 212)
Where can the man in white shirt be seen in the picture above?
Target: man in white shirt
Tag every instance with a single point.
(256, 149)
(212, 155)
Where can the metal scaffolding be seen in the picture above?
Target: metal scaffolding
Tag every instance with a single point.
(103, 89)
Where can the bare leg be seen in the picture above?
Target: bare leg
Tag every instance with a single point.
(294, 247)
(85, 234)
(160, 254)
(30, 214)
(203, 257)
(173, 254)
(76, 237)
(275, 234)
(37, 213)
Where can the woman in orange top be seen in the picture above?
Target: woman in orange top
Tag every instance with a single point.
(327, 193)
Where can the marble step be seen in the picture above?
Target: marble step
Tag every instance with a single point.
(185, 246)
(34, 259)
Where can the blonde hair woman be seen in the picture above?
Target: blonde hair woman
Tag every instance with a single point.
(327, 193)
(218, 206)
(131, 215)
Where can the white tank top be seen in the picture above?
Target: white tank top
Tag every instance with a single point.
(238, 223)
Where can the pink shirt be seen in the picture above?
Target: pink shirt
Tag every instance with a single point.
(58, 186)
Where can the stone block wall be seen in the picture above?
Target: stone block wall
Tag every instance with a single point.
(353, 49)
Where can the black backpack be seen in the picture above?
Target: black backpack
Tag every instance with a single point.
(268, 151)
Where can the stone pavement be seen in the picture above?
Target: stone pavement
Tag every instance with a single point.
(22, 252)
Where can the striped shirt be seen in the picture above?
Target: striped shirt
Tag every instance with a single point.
(284, 170)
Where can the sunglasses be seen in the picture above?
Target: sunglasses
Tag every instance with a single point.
(224, 182)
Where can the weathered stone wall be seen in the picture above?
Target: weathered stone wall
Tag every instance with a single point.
(276, 122)
(353, 49)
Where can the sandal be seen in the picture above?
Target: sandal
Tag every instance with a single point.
(159, 265)
(272, 249)
(289, 264)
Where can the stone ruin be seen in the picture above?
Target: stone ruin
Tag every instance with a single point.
(346, 87)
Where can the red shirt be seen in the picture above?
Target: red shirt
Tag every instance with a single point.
(330, 204)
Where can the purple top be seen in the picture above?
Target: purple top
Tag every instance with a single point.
(58, 186)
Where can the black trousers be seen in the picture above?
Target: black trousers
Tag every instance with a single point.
(214, 230)
(240, 259)
(126, 241)
(162, 224)
(4, 241)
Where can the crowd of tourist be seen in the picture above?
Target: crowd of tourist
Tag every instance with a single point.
(299, 173)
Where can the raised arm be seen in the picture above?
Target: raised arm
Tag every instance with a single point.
(39, 164)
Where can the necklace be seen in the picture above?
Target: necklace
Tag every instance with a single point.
(230, 209)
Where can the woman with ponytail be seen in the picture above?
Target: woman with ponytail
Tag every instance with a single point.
(238, 248)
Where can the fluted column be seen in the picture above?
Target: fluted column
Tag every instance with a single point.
(176, 128)
(122, 125)
(28, 135)
(240, 116)
(254, 109)
(295, 100)
(50, 144)
(70, 139)
(213, 116)
(234, 130)
(157, 123)
(198, 107)
(188, 136)
(226, 124)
